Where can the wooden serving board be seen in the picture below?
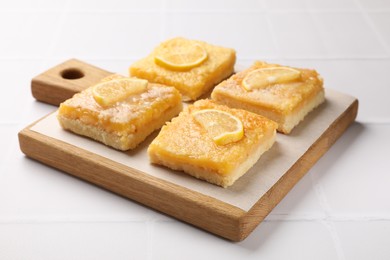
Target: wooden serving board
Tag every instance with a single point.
(64, 80)
(232, 213)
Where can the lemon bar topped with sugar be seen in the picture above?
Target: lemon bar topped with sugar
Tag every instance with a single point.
(193, 67)
(120, 112)
(283, 94)
(213, 142)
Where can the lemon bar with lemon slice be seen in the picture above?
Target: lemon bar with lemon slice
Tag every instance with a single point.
(193, 67)
(119, 111)
(284, 94)
(213, 142)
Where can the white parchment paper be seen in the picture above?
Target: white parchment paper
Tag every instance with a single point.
(248, 189)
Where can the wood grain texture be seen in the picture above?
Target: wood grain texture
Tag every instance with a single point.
(266, 203)
(64, 80)
(189, 206)
(203, 211)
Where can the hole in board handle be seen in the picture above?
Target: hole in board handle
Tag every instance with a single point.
(72, 73)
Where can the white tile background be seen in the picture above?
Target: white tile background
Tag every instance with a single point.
(339, 210)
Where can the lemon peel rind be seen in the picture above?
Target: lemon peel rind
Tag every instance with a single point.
(227, 137)
(106, 101)
(271, 79)
(163, 62)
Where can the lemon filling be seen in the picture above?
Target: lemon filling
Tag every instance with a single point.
(120, 106)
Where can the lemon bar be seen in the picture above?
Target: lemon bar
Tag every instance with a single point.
(213, 142)
(118, 117)
(284, 94)
(193, 67)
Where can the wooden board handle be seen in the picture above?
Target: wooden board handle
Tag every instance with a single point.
(64, 80)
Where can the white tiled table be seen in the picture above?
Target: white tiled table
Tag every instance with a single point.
(339, 210)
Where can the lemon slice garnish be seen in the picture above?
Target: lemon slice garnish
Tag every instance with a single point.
(110, 92)
(180, 54)
(264, 77)
(222, 127)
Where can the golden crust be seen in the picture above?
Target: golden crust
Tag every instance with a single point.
(193, 82)
(124, 119)
(277, 101)
(183, 144)
(121, 142)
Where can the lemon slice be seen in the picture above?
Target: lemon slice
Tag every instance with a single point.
(221, 126)
(180, 54)
(108, 93)
(264, 77)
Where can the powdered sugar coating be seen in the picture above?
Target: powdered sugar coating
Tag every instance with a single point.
(126, 115)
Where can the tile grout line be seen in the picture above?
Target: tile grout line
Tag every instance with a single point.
(320, 34)
(46, 57)
(9, 123)
(163, 19)
(371, 24)
(328, 223)
(378, 121)
(320, 217)
(336, 239)
(272, 32)
(9, 149)
(107, 58)
(150, 227)
(37, 219)
(189, 11)
(80, 219)
(56, 35)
